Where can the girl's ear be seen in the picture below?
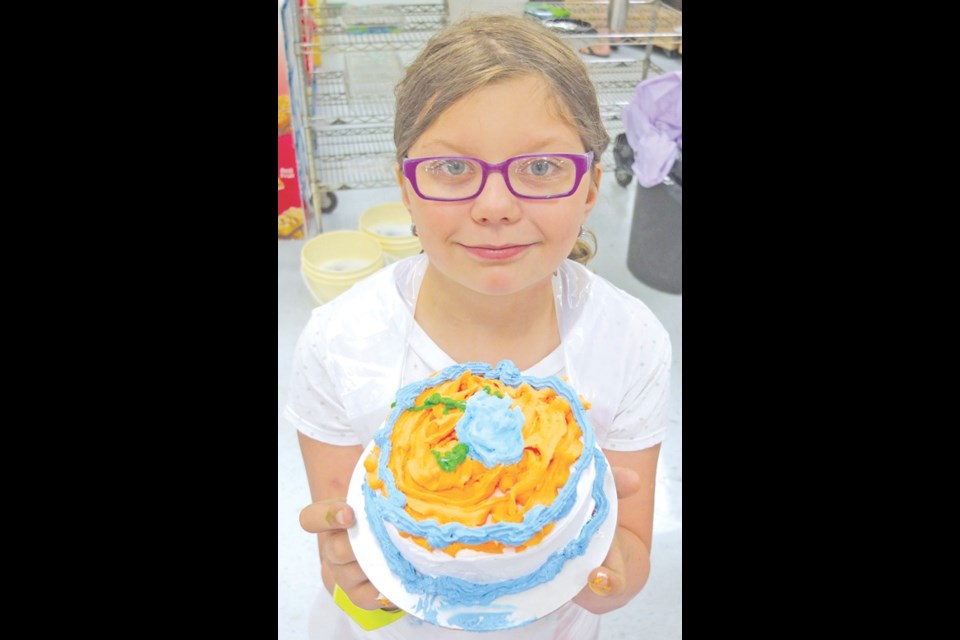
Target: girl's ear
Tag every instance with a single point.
(594, 191)
(403, 186)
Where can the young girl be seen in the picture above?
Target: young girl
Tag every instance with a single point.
(498, 137)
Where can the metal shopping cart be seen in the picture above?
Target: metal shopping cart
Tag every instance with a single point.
(344, 61)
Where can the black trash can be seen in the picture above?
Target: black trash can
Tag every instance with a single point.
(655, 252)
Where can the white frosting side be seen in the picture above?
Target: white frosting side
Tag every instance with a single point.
(486, 568)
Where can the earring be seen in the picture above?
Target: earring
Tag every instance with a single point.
(580, 235)
(413, 231)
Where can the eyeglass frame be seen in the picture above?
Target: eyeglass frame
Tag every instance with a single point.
(581, 161)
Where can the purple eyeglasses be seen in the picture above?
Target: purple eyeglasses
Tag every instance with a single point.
(537, 176)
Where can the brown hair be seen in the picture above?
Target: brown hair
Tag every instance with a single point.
(480, 50)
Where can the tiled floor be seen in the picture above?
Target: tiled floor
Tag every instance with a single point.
(655, 614)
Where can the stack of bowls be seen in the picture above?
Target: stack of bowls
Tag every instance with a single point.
(389, 225)
(333, 262)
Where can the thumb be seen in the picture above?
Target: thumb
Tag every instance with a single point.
(326, 515)
(605, 582)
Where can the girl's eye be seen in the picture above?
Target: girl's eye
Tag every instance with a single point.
(454, 167)
(539, 167)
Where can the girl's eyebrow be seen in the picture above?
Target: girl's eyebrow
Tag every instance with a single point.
(456, 149)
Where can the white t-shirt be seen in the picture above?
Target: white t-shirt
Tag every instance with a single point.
(358, 349)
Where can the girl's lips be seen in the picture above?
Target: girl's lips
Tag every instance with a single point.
(504, 252)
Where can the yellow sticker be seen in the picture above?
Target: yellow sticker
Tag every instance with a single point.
(368, 620)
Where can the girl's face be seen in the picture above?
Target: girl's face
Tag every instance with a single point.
(497, 243)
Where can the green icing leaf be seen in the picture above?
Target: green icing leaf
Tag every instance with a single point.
(435, 399)
(452, 459)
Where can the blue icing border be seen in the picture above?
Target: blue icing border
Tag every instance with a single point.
(501, 618)
(456, 590)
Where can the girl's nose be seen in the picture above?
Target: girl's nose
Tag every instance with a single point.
(495, 203)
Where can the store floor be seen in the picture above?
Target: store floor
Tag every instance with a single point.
(656, 613)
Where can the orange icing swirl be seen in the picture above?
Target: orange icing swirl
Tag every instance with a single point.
(472, 494)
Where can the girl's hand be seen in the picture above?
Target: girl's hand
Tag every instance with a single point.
(609, 581)
(330, 519)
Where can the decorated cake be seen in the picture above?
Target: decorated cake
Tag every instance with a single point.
(485, 484)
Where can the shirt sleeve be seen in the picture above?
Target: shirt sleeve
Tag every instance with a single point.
(641, 419)
(313, 405)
